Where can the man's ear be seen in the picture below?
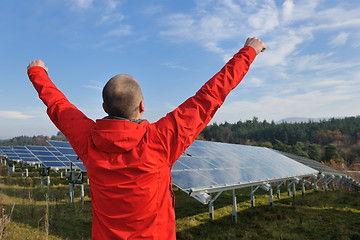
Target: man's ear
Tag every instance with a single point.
(141, 107)
(103, 105)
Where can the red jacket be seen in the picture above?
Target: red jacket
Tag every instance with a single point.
(129, 164)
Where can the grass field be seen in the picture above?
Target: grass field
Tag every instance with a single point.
(41, 213)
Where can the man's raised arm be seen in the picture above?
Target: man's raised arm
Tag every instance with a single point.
(66, 117)
(180, 127)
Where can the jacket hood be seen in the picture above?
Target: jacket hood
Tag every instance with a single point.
(117, 136)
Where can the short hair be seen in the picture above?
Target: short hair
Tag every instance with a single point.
(122, 96)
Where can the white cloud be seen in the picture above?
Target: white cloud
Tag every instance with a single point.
(265, 20)
(112, 4)
(288, 10)
(298, 11)
(254, 81)
(209, 24)
(14, 115)
(340, 39)
(281, 47)
(272, 107)
(83, 4)
(111, 18)
(151, 10)
(120, 31)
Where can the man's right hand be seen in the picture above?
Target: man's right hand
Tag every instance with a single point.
(37, 63)
(256, 43)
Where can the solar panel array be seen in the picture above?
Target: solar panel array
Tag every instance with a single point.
(213, 166)
(322, 168)
(9, 153)
(204, 167)
(59, 156)
(25, 155)
(50, 157)
(66, 149)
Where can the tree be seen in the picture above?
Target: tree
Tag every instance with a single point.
(299, 149)
(331, 153)
(278, 145)
(315, 152)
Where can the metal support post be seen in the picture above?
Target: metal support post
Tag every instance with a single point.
(303, 187)
(324, 184)
(26, 172)
(211, 211)
(211, 208)
(328, 180)
(234, 207)
(211, 204)
(288, 187)
(42, 181)
(321, 176)
(278, 192)
(253, 193)
(294, 190)
(252, 197)
(82, 193)
(71, 191)
(278, 189)
(271, 198)
(48, 181)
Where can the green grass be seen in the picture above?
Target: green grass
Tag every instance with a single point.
(317, 215)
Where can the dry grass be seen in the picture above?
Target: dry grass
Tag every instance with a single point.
(32, 212)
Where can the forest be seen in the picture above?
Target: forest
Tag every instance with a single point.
(335, 139)
(39, 140)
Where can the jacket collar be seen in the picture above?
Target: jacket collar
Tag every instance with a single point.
(120, 118)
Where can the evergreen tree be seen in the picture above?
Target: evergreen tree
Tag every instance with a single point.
(331, 153)
(315, 152)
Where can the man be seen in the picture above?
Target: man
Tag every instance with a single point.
(129, 160)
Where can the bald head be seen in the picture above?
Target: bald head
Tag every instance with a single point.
(122, 97)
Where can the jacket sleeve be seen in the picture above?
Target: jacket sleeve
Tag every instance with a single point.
(66, 117)
(179, 128)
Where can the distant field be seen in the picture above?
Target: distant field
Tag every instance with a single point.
(40, 213)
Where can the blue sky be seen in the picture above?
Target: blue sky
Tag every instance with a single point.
(310, 69)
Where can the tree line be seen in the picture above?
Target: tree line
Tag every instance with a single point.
(39, 140)
(325, 140)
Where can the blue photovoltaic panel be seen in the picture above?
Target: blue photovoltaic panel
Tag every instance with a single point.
(59, 144)
(25, 155)
(211, 166)
(54, 164)
(36, 148)
(66, 149)
(4, 148)
(49, 156)
(10, 154)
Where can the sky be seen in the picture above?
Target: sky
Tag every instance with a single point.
(311, 67)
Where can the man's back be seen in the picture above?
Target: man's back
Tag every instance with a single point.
(132, 175)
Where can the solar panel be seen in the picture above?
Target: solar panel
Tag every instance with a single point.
(49, 156)
(67, 151)
(322, 168)
(25, 155)
(10, 154)
(213, 166)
